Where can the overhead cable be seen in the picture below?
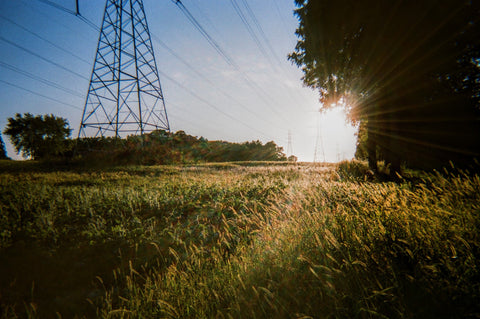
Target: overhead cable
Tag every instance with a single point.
(260, 29)
(42, 58)
(206, 79)
(253, 17)
(40, 79)
(199, 27)
(211, 105)
(41, 95)
(280, 16)
(75, 13)
(204, 33)
(44, 39)
(56, 5)
(249, 29)
(88, 22)
(258, 90)
(196, 123)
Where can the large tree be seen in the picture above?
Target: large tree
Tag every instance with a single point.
(407, 69)
(38, 136)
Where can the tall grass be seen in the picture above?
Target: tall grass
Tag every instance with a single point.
(231, 241)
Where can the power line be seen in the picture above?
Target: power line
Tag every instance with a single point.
(319, 138)
(188, 65)
(198, 8)
(280, 16)
(52, 19)
(289, 144)
(75, 13)
(213, 43)
(257, 41)
(89, 22)
(59, 7)
(211, 105)
(250, 29)
(124, 94)
(205, 34)
(178, 57)
(277, 67)
(43, 39)
(42, 58)
(193, 20)
(260, 29)
(182, 118)
(172, 52)
(267, 42)
(258, 90)
(40, 79)
(39, 94)
(206, 79)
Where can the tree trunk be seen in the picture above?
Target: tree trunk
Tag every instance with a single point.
(371, 143)
(395, 146)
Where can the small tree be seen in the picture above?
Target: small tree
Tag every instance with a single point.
(3, 152)
(292, 158)
(38, 136)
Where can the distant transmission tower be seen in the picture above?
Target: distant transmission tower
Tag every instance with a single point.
(289, 145)
(124, 95)
(318, 140)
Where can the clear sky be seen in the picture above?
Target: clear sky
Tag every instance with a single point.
(34, 34)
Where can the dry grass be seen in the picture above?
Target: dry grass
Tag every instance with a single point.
(236, 241)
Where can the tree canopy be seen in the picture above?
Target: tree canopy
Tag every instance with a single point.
(38, 136)
(408, 69)
(162, 147)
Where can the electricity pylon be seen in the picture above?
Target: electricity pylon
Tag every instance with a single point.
(124, 95)
(289, 145)
(319, 139)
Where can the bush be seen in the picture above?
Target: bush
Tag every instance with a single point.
(354, 170)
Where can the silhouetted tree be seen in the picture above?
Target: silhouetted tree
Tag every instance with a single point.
(408, 69)
(38, 136)
(3, 151)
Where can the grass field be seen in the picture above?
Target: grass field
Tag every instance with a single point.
(252, 240)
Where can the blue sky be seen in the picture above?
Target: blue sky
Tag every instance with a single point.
(30, 82)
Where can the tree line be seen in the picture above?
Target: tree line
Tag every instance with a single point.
(46, 137)
(407, 71)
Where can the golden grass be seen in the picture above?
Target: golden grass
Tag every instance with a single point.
(236, 241)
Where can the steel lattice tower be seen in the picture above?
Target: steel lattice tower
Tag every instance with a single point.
(124, 95)
(289, 145)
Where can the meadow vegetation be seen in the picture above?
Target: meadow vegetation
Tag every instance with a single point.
(238, 240)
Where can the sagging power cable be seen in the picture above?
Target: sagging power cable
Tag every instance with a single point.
(40, 94)
(42, 58)
(249, 82)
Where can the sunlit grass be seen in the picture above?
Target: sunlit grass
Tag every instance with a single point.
(235, 241)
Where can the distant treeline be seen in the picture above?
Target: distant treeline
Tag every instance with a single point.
(162, 147)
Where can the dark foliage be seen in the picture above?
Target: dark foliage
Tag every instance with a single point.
(41, 136)
(408, 70)
(161, 147)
